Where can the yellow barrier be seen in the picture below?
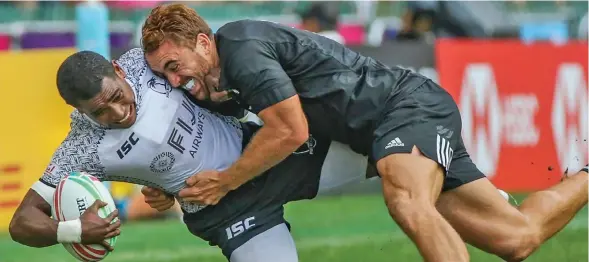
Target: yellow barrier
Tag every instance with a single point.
(34, 120)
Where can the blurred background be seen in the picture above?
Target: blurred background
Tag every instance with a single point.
(517, 69)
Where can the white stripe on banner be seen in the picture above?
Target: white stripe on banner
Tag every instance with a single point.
(444, 152)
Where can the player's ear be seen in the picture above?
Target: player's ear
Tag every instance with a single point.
(203, 41)
(118, 70)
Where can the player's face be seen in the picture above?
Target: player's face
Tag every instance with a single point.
(114, 106)
(184, 66)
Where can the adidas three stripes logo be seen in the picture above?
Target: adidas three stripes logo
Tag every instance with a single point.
(444, 152)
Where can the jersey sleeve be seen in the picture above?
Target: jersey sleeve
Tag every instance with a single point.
(78, 152)
(253, 68)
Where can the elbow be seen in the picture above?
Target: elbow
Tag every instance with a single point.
(297, 137)
(13, 229)
(18, 233)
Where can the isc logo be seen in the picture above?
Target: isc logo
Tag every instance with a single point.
(239, 227)
(127, 146)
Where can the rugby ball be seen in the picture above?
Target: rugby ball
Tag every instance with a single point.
(73, 195)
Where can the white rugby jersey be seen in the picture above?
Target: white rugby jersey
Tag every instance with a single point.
(171, 140)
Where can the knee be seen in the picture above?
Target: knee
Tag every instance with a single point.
(523, 239)
(519, 245)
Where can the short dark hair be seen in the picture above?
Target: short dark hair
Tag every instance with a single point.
(80, 76)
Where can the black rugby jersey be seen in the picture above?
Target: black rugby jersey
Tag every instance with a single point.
(343, 93)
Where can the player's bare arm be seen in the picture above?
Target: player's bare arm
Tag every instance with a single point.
(285, 129)
(32, 225)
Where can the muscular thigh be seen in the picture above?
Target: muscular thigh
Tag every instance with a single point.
(427, 119)
(273, 245)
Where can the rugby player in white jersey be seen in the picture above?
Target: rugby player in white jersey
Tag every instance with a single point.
(130, 125)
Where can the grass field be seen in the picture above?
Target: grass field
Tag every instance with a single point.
(346, 229)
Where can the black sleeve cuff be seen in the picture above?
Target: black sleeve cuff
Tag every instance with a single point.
(47, 183)
(270, 97)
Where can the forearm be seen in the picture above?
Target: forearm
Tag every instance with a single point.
(32, 227)
(266, 149)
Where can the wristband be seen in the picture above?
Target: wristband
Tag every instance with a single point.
(69, 231)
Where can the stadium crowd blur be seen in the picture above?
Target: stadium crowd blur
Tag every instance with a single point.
(22, 23)
(51, 24)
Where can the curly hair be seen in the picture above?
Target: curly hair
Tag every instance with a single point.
(80, 76)
(176, 22)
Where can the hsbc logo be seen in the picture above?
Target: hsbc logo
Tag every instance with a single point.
(481, 116)
(569, 116)
(489, 119)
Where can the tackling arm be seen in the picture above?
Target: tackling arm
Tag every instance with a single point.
(285, 129)
(255, 70)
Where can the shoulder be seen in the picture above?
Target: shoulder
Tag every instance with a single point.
(82, 140)
(81, 126)
(134, 65)
(240, 28)
(257, 30)
(77, 152)
(247, 38)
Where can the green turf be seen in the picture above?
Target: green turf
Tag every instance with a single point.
(346, 229)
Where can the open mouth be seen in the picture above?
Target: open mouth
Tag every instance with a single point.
(191, 86)
(127, 116)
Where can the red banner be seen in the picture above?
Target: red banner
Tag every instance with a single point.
(524, 107)
(4, 42)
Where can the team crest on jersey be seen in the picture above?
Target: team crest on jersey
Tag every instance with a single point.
(162, 162)
(307, 147)
(160, 86)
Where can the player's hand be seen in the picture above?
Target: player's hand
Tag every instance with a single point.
(205, 188)
(212, 84)
(96, 229)
(157, 199)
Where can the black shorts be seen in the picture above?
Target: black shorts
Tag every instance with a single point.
(426, 117)
(258, 205)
